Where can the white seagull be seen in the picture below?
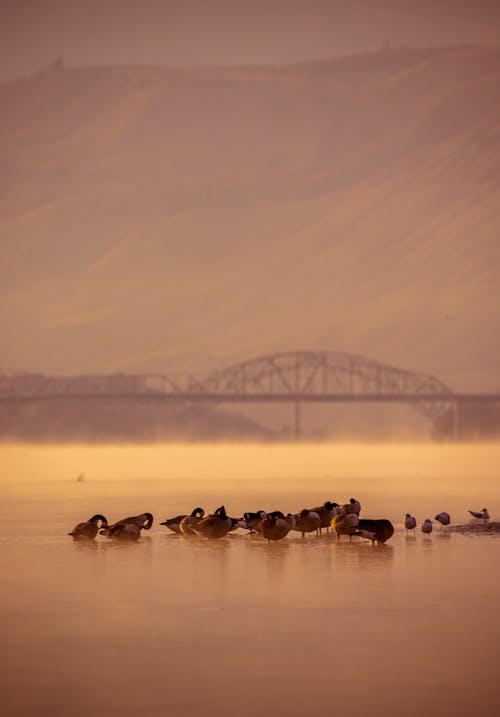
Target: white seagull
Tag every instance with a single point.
(483, 515)
(410, 522)
(427, 526)
(443, 518)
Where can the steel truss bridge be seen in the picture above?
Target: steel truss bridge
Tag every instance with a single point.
(293, 377)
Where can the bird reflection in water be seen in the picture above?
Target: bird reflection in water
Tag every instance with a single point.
(362, 554)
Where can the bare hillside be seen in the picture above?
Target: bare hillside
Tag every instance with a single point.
(179, 219)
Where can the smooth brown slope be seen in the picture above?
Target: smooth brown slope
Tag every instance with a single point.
(180, 219)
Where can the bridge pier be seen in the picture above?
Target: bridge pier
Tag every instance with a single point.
(456, 421)
(297, 431)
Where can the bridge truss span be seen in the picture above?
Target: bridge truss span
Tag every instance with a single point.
(325, 375)
(294, 377)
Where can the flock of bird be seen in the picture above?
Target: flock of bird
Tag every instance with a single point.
(443, 518)
(272, 526)
(124, 529)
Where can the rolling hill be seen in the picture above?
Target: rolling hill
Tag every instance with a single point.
(178, 219)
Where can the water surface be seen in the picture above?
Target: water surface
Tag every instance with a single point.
(171, 625)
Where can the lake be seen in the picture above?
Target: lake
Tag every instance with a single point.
(170, 625)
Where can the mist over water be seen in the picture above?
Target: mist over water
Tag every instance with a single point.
(236, 625)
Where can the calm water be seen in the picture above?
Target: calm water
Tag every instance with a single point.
(174, 626)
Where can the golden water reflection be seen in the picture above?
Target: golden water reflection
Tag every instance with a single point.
(177, 625)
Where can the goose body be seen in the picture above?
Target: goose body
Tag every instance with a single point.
(238, 523)
(88, 529)
(338, 510)
(181, 523)
(253, 520)
(380, 529)
(410, 522)
(124, 532)
(276, 526)
(354, 506)
(143, 521)
(307, 521)
(174, 524)
(345, 524)
(326, 512)
(216, 525)
(443, 518)
(427, 526)
(189, 521)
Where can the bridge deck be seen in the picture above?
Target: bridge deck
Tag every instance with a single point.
(226, 397)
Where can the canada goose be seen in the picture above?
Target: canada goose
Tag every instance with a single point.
(214, 526)
(338, 510)
(410, 523)
(443, 518)
(354, 506)
(276, 526)
(427, 526)
(253, 520)
(326, 512)
(345, 524)
(88, 530)
(483, 515)
(307, 521)
(361, 533)
(174, 524)
(238, 523)
(144, 521)
(189, 521)
(124, 531)
(381, 529)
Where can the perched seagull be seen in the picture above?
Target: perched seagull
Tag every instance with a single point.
(443, 518)
(483, 515)
(427, 526)
(410, 522)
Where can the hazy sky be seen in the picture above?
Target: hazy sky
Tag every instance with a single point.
(89, 32)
